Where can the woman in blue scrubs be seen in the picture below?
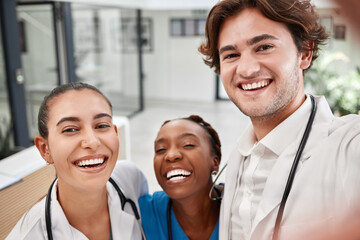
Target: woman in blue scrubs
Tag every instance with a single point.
(187, 154)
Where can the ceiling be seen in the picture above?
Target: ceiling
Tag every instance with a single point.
(173, 4)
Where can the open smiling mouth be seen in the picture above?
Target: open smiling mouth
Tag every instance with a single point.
(90, 163)
(177, 174)
(254, 85)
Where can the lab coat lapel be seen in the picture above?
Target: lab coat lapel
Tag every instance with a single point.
(61, 228)
(122, 223)
(234, 164)
(277, 180)
(275, 185)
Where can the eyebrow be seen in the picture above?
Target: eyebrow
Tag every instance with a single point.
(249, 42)
(181, 136)
(260, 38)
(76, 119)
(227, 48)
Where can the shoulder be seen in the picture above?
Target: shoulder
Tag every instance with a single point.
(153, 215)
(155, 203)
(30, 223)
(156, 198)
(126, 172)
(125, 168)
(130, 178)
(346, 128)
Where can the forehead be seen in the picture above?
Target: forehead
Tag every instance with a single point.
(178, 127)
(247, 24)
(77, 103)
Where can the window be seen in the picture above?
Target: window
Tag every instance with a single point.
(182, 27)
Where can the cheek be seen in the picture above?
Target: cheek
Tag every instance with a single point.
(157, 165)
(112, 141)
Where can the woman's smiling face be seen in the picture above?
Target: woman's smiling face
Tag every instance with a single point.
(183, 159)
(82, 141)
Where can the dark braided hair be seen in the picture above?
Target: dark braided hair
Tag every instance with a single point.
(213, 135)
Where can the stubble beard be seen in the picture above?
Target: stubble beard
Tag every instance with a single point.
(282, 98)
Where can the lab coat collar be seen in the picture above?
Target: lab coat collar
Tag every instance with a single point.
(122, 223)
(276, 181)
(291, 127)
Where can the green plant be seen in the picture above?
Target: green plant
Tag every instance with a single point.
(342, 91)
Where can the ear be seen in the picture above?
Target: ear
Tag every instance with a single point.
(216, 164)
(306, 57)
(43, 147)
(116, 129)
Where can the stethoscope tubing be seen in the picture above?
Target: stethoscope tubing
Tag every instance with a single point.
(293, 168)
(123, 201)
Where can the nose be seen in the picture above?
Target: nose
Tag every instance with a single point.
(173, 155)
(90, 139)
(248, 66)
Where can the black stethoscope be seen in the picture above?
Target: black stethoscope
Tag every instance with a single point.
(292, 171)
(123, 201)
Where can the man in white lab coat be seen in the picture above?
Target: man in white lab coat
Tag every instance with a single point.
(261, 49)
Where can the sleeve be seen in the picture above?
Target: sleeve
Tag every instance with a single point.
(350, 164)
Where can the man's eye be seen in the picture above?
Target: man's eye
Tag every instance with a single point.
(103, 126)
(233, 55)
(264, 47)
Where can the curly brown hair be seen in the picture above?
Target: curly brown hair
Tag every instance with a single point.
(214, 139)
(299, 16)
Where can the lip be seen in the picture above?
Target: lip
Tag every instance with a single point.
(93, 169)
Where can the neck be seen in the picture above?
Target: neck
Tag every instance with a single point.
(264, 125)
(197, 215)
(86, 211)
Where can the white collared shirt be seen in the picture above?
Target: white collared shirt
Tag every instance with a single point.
(260, 157)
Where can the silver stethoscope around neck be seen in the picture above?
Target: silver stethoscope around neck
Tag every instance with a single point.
(291, 174)
(123, 201)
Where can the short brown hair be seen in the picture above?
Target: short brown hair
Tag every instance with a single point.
(299, 16)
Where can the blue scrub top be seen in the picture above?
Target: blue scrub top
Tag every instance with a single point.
(153, 217)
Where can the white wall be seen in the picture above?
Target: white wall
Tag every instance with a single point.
(349, 46)
(175, 69)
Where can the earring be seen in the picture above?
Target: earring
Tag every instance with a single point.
(214, 172)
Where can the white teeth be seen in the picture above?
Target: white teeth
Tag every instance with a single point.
(177, 174)
(252, 86)
(90, 162)
(177, 177)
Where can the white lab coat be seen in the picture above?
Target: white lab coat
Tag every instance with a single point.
(325, 195)
(123, 223)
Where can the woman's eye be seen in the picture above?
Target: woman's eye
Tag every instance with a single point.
(69, 130)
(264, 47)
(189, 145)
(159, 150)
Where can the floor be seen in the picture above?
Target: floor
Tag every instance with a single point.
(225, 118)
